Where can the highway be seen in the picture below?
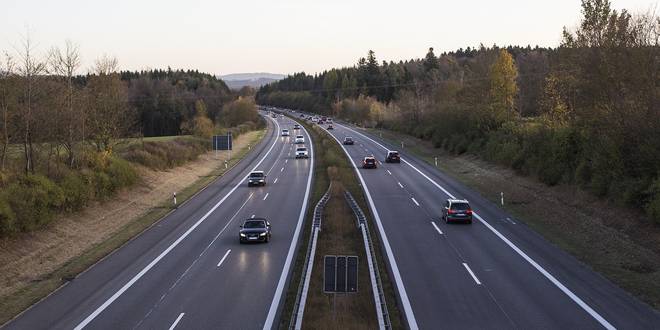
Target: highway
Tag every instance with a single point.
(188, 270)
(495, 273)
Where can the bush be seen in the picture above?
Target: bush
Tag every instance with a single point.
(76, 190)
(7, 218)
(34, 200)
(122, 174)
(653, 206)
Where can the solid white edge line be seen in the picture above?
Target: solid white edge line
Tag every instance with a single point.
(471, 273)
(414, 201)
(272, 312)
(527, 258)
(403, 295)
(176, 321)
(436, 227)
(266, 196)
(224, 257)
(139, 275)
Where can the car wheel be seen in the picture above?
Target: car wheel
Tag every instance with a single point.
(240, 241)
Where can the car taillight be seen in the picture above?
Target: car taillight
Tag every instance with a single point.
(450, 211)
(468, 211)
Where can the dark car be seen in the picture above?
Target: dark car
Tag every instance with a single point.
(392, 157)
(330, 127)
(296, 126)
(255, 230)
(457, 210)
(257, 178)
(349, 140)
(369, 162)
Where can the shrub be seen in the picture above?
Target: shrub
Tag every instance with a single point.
(7, 218)
(76, 190)
(122, 174)
(653, 206)
(34, 200)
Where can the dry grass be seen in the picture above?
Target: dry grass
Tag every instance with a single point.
(34, 264)
(340, 236)
(620, 243)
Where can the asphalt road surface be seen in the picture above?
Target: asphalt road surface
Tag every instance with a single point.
(189, 271)
(495, 273)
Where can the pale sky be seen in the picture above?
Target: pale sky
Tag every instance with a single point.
(288, 36)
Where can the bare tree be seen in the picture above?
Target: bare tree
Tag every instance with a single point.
(6, 88)
(65, 63)
(29, 68)
(109, 115)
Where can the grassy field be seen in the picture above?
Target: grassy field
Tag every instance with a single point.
(331, 164)
(625, 248)
(14, 303)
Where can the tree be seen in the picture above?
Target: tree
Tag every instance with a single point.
(503, 87)
(30, 69)
(7, 102)
(109, 113)
(200, 125)
(431, 61)
(65, 64)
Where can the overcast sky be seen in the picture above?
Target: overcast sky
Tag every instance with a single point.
(279, 36)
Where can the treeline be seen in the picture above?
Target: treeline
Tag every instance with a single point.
(164, 99)
(585, 113)
(68, 139)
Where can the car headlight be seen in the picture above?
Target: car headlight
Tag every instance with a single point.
(242, 235)
(262, 234)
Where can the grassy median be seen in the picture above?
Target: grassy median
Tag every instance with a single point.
(331, 164)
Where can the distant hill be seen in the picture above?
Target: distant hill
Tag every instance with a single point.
(256, 80)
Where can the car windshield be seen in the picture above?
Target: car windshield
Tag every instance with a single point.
(285, 130)
(460, 206)
(369, 160)
(254, 224)
(299, 137)
(348, 139)
(302, 149)
(257, 175)
(394, 153)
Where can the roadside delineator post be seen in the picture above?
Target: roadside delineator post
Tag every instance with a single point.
(174, 198)
(502, 198)
(436, 161)
(225, 164)
(401, 144)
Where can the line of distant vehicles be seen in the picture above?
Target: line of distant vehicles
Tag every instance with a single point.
(454, 210)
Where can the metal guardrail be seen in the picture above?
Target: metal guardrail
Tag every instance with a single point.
(376, 283)
(303, 286)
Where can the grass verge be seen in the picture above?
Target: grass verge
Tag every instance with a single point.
(330, 163)
(22, 299)
(610, 239)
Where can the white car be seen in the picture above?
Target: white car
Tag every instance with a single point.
(301, 152)
(299, 139)
(285, 132)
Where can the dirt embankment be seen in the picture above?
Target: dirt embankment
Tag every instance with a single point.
(31, 257)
